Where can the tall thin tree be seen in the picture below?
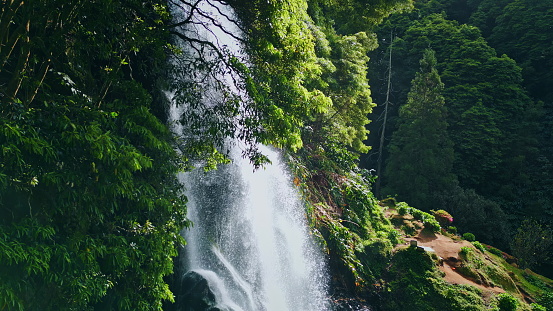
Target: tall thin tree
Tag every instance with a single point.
(421, 153)
(383, 132)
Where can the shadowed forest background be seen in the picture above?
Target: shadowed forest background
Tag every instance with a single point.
(483, 151)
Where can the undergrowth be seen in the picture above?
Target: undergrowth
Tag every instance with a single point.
(360, 240)
(415, 283)
(342, 208)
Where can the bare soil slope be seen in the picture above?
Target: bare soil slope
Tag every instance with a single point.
(448, 249)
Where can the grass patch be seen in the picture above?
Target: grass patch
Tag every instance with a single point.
(533, 284)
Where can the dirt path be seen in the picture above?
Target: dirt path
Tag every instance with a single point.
(448, 249)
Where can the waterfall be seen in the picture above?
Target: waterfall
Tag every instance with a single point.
(250, 247)
(250, 229)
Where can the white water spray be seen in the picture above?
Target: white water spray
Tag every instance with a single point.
(251, 230)
(250, 240)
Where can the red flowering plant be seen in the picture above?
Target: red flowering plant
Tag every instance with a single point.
(444, 218)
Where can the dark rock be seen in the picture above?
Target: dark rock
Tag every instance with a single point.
(350, 304)
(196, 294)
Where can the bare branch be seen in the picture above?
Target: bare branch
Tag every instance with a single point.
(195, 10)
(44, 70)
(234, 21)
(202, 42)
(17, 79)
(188, 19)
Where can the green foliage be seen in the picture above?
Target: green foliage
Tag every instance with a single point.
(412, 260)
(452, 229)
(469, 236)
(428, 220)
(417, 214)
(408, 230)
(531, 47)
(537, 307)
(416, 285)
(403, 208)
(539, 282)
(465, 251)
(349, 89)
(355, 16)
(342, 245)
(90, 206)
(495, 251)
(546, 300)
(359, 238)
(479, 246)
(391, 202)
(306, 78)
(432, 225)
(473, 213)
(531, 243)
(421, 154)
(359, 245)
(506, 302)
(529, 44)
(483, 93)
(477, 267)
(281, 48)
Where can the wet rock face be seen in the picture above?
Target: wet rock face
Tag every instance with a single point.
(350, 304)
(196, 294)
(342, 300)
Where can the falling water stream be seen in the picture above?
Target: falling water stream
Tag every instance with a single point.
(250, 241)
(250, 238)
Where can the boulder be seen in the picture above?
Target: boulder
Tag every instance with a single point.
(196, 294)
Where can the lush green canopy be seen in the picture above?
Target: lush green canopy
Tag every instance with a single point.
(89, 201)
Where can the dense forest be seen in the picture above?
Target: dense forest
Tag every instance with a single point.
(91, 208)
(482, 151)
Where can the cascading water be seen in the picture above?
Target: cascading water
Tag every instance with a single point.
(250, 245)
(250, 230)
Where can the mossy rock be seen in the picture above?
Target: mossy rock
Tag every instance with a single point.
(198, 295)
(409, 229)
(413, 259)
(388, 202)
(398, 220)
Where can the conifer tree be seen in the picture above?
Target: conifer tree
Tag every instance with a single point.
(421, 153)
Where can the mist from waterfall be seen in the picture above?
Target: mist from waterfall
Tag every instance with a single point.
(250, 240)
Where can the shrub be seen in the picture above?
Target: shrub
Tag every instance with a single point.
(479, 246)
(417, 214)
(416, 285)
(465, 251)
(506, 302)
(546, 300)
(469, 236)
(443, 217)
(537, 307)
(495, 251)
(531, 243)
(473, 212)
(452, 229)
(403, 208)
(394, 236)
(408, 230)
(432, 224)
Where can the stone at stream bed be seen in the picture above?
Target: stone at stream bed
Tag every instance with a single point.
(197, 294)
(349, 305)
